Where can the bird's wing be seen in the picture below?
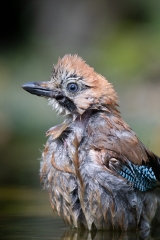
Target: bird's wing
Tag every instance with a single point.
(113, 144)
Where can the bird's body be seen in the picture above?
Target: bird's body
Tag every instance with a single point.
(97, 172)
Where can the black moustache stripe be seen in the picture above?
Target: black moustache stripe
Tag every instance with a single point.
(67, 103)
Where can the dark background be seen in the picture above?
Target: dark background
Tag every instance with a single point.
(120, 39)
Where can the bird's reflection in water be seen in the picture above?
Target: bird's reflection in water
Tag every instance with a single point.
(73, 234)
(53, 228)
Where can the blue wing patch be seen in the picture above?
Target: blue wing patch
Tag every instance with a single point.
(141, 177)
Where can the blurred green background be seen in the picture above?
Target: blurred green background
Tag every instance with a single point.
(120, 39)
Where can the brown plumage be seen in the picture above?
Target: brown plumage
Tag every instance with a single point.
(96, 170)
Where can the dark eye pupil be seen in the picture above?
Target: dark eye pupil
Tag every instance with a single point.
(72, 87)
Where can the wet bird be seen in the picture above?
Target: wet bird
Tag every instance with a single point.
(96, 170)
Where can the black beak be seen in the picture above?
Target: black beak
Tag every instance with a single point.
(43, 89)
(39, 89)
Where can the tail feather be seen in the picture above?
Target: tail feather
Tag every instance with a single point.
(154, 163)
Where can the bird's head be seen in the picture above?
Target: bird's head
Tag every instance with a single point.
(74, 87)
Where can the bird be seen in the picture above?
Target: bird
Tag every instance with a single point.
(98, 174)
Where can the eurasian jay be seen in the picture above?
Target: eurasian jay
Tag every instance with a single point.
(96, 170)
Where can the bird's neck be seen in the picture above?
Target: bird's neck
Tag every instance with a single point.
(82, 120)
(108, 108)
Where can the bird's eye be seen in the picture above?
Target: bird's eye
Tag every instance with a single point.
(72, 87)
